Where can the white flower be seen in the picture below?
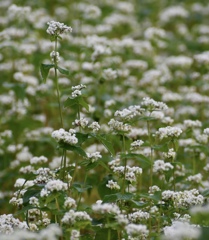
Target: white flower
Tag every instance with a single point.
(57, 28)
(181, 230)
(94, 156)
(137, 230)
(169, 131)
(71, 217)
(112, 185)
(67, 137)
(106, 208)
(38, 160)
(152, 105)
(55, 56)
(94, 126)
(136, 144)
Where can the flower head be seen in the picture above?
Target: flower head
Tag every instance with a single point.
(56, 28)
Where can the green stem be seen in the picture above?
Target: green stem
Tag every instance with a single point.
(80, 194)
(57, 85)
(174, 182)
(151, 153)
(125, 165)
(109, 231)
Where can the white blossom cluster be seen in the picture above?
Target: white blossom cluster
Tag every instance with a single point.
(161, 166)
(82, 122)
(166, 132)
(38, 160)
(105, 208)
(75, 235)
(171, 154)
(119, 126)
(53, 186)
(69, 203)
(181, 230)
(71, 217)
(152, 105)
(43, 175)
(55, 57)
(137, 230)
(112, 185)
(109, 74)
(129, 113)
(52, 231)
(197, 178)
(192, 124)
(131, 173)
(138, 216)
(93, 157)
(57, 28)
(8, 224)
(94, 126)
(136, 144)
(67, 137)
(187, 198)
(77, 90)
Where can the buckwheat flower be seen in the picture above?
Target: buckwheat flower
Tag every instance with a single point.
(67, 137)
(153, 33)
(137, 230)
(206, 131)
(94, 126)
(92, 12)
(55, 56)
(160, 166)
(109, 74)
(56, 28)
(93, 157)
(75, 235)
(129, 113)
(27, 169)
(197, 178)
(171, 154)
(38, 160)
(172, 132)
(136, 144)
(114, 163)
(181, 230)
(82, 122)
(34, 201)
(182, 62)
(206, 168)
(136, 64)
(112, 185)
(138, 216)
(201, 138)
(192, 123)
(70, 203)
(106, 208)
(56, 185)
(8, 224)
(70, 218)
(168, 14)
(122, 219)
(152, 105)
(119, 126)
(153, 189)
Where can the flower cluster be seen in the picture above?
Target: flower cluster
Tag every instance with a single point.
(57, 28)
(67, 137)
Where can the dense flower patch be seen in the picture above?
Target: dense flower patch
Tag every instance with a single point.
(104, 120)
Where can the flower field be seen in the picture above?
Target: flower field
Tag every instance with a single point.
(104, 129)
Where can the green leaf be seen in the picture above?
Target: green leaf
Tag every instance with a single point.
(103, 138)
(81, 188)
(72, 148)
(63, 70)
(143, 160)
(118, 196)
(82, 137)
(205, 193)
(83, 103)
(138, 204)
(71, 102)
(102, 234)
(45, 70)
(29, 194)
